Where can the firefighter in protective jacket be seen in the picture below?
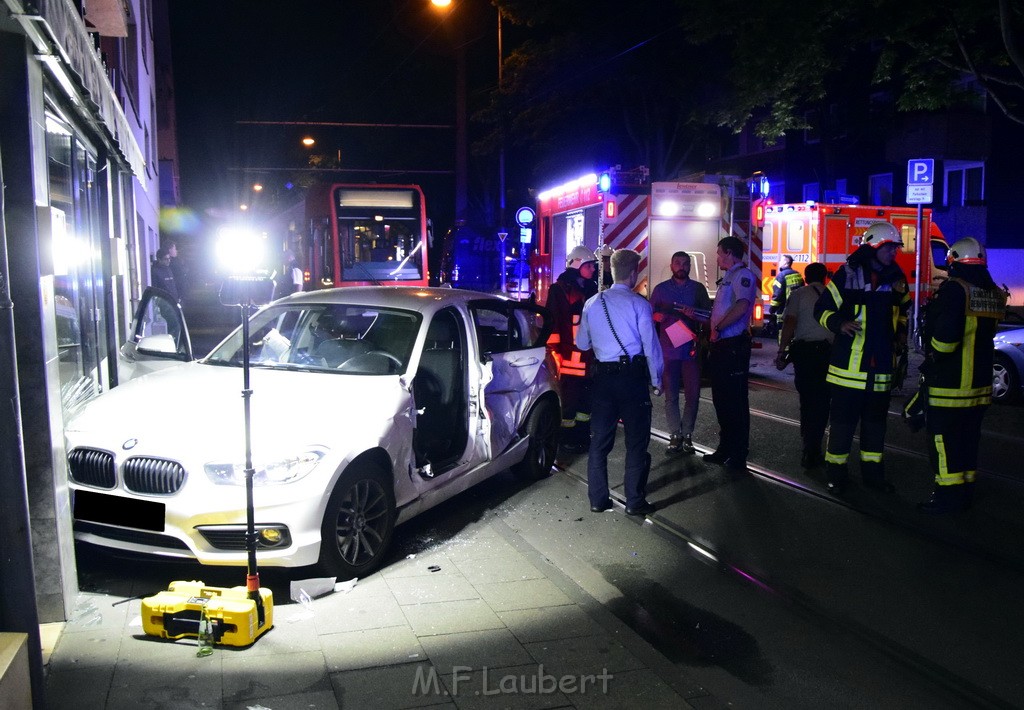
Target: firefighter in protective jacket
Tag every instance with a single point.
(786, 281)
(565, 301)
(866, 306)
(961, 322)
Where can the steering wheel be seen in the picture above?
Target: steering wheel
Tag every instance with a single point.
(379, 353)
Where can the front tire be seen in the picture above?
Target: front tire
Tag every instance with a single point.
(358, 524)
(542, 427)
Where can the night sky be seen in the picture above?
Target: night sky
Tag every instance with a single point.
(389, 61)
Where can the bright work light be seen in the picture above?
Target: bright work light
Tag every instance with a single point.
(239, 250)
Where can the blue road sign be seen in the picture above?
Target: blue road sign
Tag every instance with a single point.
(921, 171)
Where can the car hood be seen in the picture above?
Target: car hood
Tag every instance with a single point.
(198, 410)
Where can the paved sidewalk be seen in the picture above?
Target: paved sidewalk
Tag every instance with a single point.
(480, 619)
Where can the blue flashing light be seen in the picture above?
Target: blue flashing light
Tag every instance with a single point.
(604, 182)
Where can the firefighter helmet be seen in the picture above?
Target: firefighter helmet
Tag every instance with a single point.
(966, 251)
(881, 233)
(580, 255)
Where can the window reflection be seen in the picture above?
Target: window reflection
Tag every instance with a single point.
(77, 266)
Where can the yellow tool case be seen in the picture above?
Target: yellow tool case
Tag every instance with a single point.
(234, 618)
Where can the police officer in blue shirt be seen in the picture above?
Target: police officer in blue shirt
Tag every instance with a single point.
(729, 360)
(618, 325)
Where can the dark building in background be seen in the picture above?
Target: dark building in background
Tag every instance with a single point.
(857, 149)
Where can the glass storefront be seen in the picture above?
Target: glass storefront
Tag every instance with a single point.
(76, 241)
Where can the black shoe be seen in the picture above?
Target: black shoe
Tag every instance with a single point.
(811, 458)
(946, 499)
(606, 505)
(836, 487)
(644, 508)
(873, 475)
(735, 463)
(716, 457)
(879, 484)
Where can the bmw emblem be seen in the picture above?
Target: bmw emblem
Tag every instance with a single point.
(130, 444)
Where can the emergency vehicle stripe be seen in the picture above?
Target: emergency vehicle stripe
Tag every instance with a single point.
(631, 226)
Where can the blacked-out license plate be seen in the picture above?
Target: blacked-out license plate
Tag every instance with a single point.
(114, 510)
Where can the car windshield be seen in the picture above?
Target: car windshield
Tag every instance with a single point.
(346, 338)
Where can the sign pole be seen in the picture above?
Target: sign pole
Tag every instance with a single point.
(923, 242)
(920, 187)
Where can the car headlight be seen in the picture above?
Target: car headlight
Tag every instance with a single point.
(287, 470)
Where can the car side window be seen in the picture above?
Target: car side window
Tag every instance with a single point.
(507, 326)
(493, 331)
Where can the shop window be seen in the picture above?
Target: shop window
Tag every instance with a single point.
(78, 280)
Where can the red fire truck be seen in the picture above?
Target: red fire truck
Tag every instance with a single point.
(829, 233)
(623, 210)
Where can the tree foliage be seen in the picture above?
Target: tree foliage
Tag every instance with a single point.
(932, 54)
(597, 83)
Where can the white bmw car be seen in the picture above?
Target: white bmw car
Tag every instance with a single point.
(368, 406)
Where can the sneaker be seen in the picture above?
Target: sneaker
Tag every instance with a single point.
(679, 444)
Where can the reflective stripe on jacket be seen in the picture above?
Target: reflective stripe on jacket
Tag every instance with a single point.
(879, 302)
(962, 321)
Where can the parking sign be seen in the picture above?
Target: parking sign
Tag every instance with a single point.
(921, 171)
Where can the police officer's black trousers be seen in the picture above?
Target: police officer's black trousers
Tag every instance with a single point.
(729, 364)
(622, 394)
(810, 367)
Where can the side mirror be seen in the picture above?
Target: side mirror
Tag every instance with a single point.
(162, 344)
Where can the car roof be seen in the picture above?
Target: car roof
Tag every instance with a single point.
(423, 299)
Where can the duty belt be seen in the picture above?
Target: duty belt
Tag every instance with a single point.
(637, 363)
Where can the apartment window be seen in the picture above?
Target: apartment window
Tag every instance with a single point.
(880, 187)
(965, 183)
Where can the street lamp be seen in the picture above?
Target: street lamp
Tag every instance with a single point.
(460, 125)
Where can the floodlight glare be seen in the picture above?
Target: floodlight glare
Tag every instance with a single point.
(239, 250)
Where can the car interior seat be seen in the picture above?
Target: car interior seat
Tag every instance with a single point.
(440, 391)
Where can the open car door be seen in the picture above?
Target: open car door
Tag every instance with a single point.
(159, 338)
(511, 337)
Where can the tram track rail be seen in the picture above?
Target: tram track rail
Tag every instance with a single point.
(956, 685)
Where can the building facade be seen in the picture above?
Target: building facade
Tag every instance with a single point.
(857, 150)
(80, 217)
